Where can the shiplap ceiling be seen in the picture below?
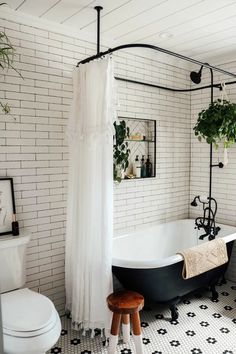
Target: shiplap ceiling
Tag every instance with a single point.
(198, 28)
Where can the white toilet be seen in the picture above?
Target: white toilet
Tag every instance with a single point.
(31, 324)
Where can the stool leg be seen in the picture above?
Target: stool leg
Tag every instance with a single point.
(137, 334)
(113, 340)
(126, 328)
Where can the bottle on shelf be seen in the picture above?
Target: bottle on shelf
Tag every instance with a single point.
(143, 167)
(15, 226)
(137, 167)
(148, 167)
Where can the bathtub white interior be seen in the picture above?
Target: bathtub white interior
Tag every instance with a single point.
(157, 245)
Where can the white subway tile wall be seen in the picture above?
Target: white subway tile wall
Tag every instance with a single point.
(224, 180)
(162, 198)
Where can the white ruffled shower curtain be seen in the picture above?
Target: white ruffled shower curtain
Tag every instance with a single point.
(90, 195)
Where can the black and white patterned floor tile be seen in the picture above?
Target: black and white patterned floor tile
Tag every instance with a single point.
(203, 327)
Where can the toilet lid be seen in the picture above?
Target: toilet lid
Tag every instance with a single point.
(26, 311)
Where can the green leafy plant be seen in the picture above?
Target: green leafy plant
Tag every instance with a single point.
(7, 53)
(217, 124)
(121, 150)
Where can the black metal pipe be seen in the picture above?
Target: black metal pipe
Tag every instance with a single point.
(211, 155)
(220, 165)
(228, 83)
(98, 9)
(168, 88)
(162, 50)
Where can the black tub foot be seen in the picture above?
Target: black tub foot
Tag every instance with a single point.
(214, 293)
(174, 313)
(173, 308)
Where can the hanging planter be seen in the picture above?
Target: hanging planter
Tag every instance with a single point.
(121, 151)
(217, 124)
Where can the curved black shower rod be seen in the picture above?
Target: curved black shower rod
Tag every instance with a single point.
(218, 86)
(158, 49)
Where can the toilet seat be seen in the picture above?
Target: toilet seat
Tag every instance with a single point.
(26, 314)
(32, 345)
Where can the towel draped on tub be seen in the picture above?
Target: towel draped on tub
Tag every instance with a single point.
(201, 258)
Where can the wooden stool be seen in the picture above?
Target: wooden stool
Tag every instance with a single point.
(124, 304)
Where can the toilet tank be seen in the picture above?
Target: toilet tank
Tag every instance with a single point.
(12, 261)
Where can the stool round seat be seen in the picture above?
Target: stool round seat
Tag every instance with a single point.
(125, 302)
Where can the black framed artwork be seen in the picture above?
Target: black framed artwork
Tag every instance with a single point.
(7, 205)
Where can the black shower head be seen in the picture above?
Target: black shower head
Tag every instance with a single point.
(196, 76)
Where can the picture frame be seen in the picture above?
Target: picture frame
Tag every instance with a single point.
(7, 205)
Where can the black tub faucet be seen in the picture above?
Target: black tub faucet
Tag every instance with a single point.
(207, 221)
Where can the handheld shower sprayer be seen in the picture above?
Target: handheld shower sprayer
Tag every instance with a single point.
(194, 202)
(201, 198)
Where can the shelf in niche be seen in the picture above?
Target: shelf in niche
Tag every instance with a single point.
(135, 178)
(140, 141)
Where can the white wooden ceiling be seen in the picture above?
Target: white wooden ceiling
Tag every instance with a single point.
(198, 28)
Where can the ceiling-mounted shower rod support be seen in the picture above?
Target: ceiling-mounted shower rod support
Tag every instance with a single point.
(98, 9)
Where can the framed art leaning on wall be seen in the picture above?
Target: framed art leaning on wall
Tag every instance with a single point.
(7, 205)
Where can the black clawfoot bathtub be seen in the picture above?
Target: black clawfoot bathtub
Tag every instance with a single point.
(146, 261)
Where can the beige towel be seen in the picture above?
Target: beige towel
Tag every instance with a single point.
(204, 257)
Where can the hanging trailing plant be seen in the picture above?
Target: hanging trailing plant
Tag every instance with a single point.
(217, 124)
(121, 150)
(7, 53)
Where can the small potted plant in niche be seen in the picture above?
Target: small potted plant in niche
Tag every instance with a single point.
(121, 151)
(217, 124)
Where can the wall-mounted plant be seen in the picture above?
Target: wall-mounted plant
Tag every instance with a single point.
(121, 150)
(217, 124)
(7, 53)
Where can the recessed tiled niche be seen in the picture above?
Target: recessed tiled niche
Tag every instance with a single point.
(142, 143)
